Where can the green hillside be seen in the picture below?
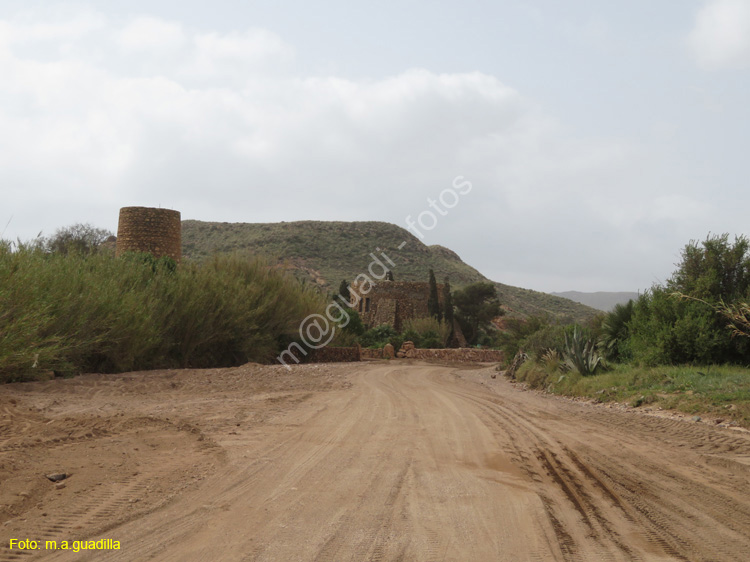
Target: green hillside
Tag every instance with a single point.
(327, 252)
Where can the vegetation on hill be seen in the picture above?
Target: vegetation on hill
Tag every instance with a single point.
(525, 303)
(600, 300)
(327, 252)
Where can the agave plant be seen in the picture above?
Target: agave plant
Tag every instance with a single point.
(580, 353)
(553, 361)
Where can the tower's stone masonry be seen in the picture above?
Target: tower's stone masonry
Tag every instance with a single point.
(147, 229)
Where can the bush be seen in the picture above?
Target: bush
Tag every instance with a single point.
(78, 238)
(666, 330)
(551, 337)
(428, 333)
(513, 337)
(96, 313)
(690, 320)
(378, 336)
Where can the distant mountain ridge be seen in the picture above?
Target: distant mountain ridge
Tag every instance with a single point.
(327, 252)
(600, 300)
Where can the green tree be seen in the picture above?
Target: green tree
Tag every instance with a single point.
(448, 308)
(476, 306)
(685, 320)
(344, 290)
(77, 238)
(714, 270)
(433, 303)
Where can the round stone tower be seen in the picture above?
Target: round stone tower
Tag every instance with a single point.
(146, 229)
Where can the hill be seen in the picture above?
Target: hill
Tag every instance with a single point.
(601, 300)
(326, 252)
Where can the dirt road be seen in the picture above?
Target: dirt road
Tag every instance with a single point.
(373, 461)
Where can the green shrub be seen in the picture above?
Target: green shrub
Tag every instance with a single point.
(667, 330)
(516, 331)
(428, 333)
(690, 319)
(546, 338)
(92, 312)
(533, 374)
(378, 336)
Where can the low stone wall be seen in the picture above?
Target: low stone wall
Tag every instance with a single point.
(462, 354)
(334, 355)
(367, 353)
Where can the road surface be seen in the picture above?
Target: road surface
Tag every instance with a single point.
(374, 461)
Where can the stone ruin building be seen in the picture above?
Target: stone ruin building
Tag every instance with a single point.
(392, 302)
(152, 230)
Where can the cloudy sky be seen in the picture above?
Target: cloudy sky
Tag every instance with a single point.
(598, 137)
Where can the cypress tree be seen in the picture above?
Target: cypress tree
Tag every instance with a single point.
(447, 303)
(344, 290)
(433, 304)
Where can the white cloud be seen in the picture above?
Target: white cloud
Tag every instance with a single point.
(215, 129)
(152, 35)
(721, 35)
(252, 45)
(231, 58)
(28, 29)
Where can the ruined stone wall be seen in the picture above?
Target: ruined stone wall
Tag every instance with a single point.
(147, 229)
(334, 355)
(367, 353)
(459, 355)
(462, 354)
(393, 302)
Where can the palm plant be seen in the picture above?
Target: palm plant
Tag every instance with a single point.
(615, 330)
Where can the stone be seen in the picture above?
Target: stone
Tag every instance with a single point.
(696, 418)
(388, 352)
(57, 477)
(406, 347)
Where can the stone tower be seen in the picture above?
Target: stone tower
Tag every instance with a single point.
(147, 229)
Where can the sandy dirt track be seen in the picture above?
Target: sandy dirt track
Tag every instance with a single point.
(372, 461)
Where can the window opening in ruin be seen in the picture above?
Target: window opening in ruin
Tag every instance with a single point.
(367, 305)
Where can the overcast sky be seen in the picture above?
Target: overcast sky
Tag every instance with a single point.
(598, 137)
